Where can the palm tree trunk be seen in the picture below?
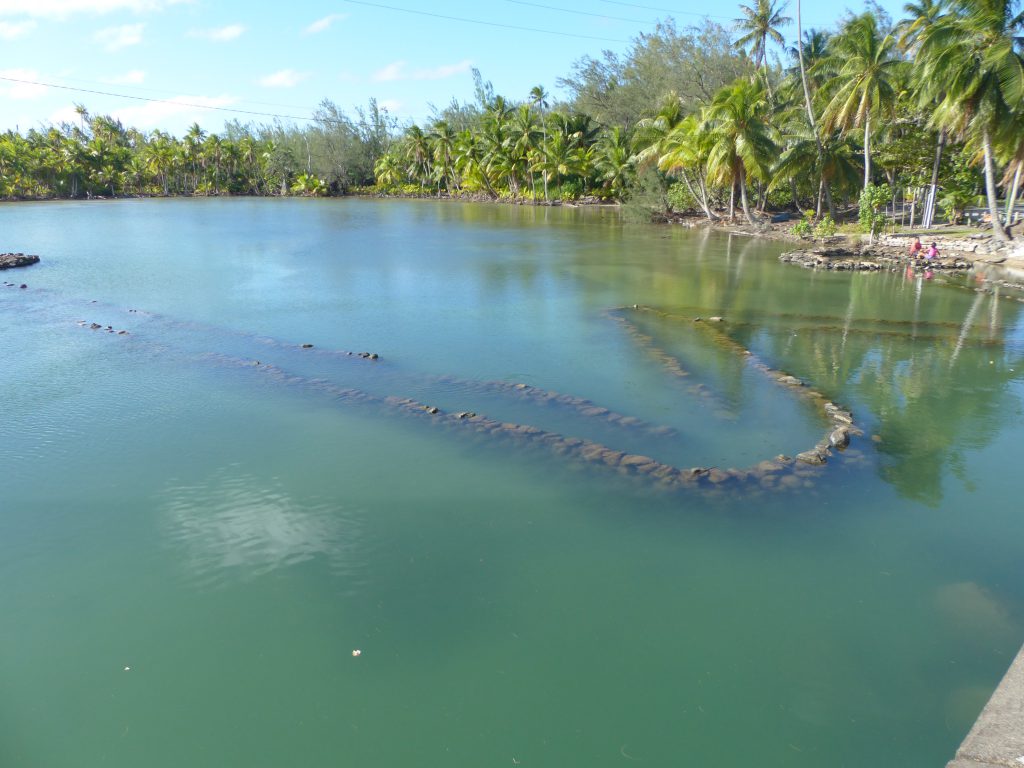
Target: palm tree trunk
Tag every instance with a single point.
(867, 150)
(929, 210)
(700, 198)
(810, 113)
(1011, 199)
(796, 196)
(743, 197)
(544, 151)
(990, 186)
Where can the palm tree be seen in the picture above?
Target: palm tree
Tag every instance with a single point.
(614, 161)
(523, 137)
(812, 121)
(417, 154)
(539, 99)
(919, 16)
(741, 147)
(388, 171)
(970, 65)
(652, 132)
(687, 150)
(864, 69)
(442, 135)
(760, 23)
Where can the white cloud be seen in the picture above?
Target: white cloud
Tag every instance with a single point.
(392, 71)
(321, 25)
(23, 91)
(445, 70)
(116, 38)
(396, 70)
(180, 109)
(219, 35)
(9, 31)
(286, 78)
(61, 9)
(134, 77)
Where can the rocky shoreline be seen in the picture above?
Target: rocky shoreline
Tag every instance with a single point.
(890, 252)
(13, 260)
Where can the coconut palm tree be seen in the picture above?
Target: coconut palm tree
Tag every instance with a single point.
(970, 65)
(613, 162)
(759, 24)
(864, 71)
(741, 147)
(652, 132)
(442, 136)
(687, 150)
(539, 99)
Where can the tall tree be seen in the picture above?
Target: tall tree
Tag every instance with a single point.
(539, 99)
(759, 24)
(970, 64)
(741, 147)
(864, 69)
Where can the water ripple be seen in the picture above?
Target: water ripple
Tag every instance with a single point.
(235, 524)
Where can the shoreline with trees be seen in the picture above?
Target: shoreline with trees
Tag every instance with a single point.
(873, 121)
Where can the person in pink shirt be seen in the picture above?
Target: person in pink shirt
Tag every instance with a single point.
(932, 253)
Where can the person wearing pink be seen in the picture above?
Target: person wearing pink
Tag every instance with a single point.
(933, 252)
(915, 248)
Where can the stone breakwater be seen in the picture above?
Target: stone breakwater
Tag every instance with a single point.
(841, 426)
(956, 253)
(12, 260)
(670, 364)
(779, 473)
(869, 260)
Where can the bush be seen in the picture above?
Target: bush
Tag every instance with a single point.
(804, 227)
(572, 189)
(872, 208)
(825, 228)
(680, 199)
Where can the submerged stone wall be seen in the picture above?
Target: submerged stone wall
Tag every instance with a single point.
(775, 473)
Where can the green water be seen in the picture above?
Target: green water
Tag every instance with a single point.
(230, 536)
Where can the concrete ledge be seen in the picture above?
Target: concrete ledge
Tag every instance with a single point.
(997, 738)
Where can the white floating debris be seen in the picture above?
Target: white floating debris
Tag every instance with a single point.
(357, 652)
(127, 669)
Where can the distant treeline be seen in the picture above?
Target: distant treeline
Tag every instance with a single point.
(704, 119)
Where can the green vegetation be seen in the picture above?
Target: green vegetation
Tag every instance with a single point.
(690, 120)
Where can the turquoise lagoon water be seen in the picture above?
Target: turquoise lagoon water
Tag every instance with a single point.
(191, 548)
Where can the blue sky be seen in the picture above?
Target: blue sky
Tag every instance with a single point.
(284, 58)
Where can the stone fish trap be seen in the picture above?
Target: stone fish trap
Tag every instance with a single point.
(777, 473)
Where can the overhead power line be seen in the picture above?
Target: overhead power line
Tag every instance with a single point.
(578, 13)
(161, 101)
(484, 23)
(664, 10)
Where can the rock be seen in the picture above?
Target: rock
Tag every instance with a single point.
(307, 346)
(715, 319)
(634, 460)
(840, 438)
(611, 457)
(812, 457)
(13, 260)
